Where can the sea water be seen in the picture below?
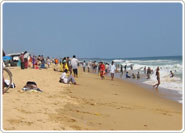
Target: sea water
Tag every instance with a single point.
(166, 64)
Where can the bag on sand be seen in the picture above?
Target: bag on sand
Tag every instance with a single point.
(30, 85)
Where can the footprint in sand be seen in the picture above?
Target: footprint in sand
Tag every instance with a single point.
(76, 127)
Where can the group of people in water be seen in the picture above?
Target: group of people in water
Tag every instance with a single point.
(105, 68)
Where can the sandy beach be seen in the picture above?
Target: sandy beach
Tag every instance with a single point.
(93, 104)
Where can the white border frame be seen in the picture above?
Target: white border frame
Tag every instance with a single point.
(84, 2)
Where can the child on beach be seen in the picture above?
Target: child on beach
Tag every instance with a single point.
(112, 69)
(48, 61)
(133, 76)
(102, 70)
(66, 80)
(127, 76)
(138, 75)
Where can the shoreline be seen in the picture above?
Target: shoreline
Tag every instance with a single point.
(93, 104)
(163, 92)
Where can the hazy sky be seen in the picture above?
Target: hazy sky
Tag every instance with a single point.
(105, 30)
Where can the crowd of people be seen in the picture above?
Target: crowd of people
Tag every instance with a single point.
(104, 68)
(69, 66)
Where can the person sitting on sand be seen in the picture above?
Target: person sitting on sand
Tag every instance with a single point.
(127, 76)
(172, 74)
(133, 76)
(66, 80)
(138, 75)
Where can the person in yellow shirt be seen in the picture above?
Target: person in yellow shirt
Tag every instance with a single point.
(64, 66)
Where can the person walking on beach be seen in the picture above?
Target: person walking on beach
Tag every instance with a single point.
(84, 65)
(125, 68)
(172, 74)
(121, 70)
(22, 60)
(131, 67)
(102, 70)
(88, 66)
(33, 61)
(74, 64)
(26, 55)
(112, 70)
(138, 75)
(145, 70)
(148, 73)
(158, 79)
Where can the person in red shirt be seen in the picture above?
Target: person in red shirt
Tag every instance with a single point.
(102, 70)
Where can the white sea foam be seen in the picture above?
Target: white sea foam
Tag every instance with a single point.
(171, 84)
(165, 64)
(118, 61)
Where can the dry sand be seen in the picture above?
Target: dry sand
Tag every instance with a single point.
(93, 104)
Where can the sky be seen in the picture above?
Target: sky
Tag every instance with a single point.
(103, 30)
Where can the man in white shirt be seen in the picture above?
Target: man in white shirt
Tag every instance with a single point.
(66, 80)
(74, 64)
(112, 69)
(84, 65)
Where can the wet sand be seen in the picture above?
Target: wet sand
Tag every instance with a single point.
(93, 104)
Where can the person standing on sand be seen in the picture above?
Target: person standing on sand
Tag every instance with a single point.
(112, 69)
(33, 61)
(84, 65)
(48, 61)
(145, 70)
(125, 68)
(102, 70)
(74, 64)
(69, 64)
(158, 79)
(26, 55)
(22, 60)
(121, 70)
(138, 75)
(148, 73)
(88, 66)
